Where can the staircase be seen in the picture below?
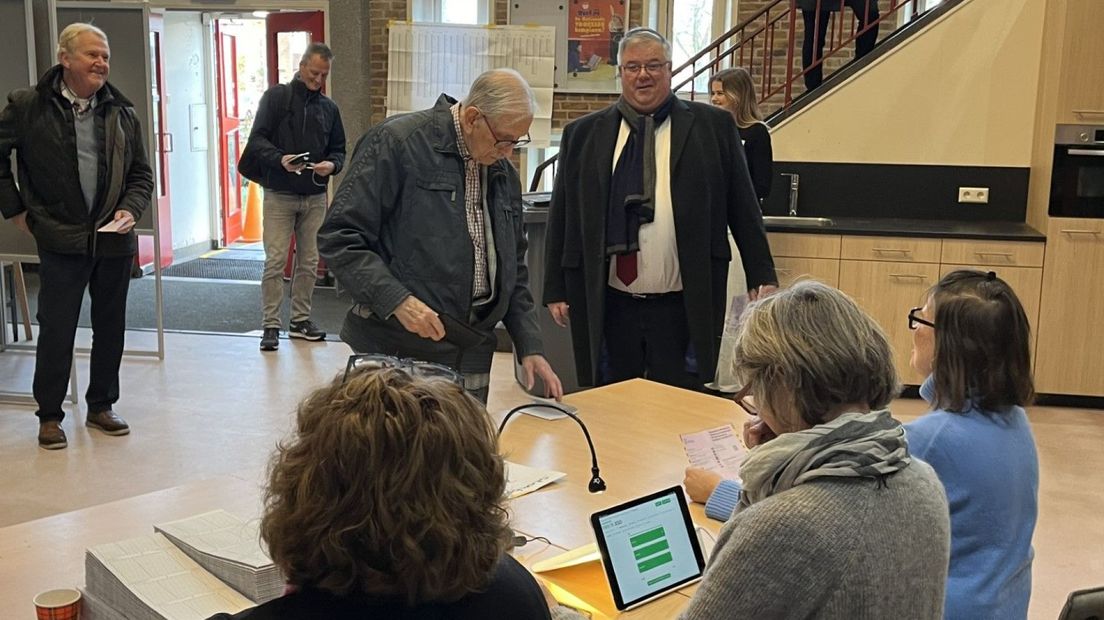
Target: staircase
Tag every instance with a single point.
(768, 44)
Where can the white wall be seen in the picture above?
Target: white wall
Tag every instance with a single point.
(185, 85)
(963, 92)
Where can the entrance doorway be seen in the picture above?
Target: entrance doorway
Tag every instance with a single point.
(216, 66)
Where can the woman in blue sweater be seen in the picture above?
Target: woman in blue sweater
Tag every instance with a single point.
(973, 341)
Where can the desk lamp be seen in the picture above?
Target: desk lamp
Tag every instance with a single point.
(596, 484)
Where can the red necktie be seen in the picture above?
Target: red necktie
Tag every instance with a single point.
(626, 268)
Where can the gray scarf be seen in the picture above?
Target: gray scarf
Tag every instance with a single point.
(854, 445)
(632, 187)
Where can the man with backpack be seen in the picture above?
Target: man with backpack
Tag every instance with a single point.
(297, 143)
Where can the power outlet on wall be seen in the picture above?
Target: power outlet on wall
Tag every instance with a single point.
(973, 195)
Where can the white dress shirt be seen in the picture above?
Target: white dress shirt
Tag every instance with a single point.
(657, 264)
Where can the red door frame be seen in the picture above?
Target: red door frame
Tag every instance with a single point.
(163, 145)
(229, 135)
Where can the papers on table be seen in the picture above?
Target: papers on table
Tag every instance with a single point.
(716, 449)
(149, 578)
(229, 547)
(522, 479)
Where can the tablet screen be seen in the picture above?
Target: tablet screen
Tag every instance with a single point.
(649, 547)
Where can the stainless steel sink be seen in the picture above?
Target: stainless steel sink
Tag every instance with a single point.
(796, 221)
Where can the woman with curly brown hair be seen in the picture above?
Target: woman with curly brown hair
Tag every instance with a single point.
(387, 503)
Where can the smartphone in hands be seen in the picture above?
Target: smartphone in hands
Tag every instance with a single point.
(301, 158)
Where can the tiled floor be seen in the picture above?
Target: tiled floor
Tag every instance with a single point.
(217, 406)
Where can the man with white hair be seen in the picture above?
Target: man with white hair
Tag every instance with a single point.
(84, 181)
(426, 235)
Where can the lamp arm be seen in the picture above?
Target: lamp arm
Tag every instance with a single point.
(586, 433)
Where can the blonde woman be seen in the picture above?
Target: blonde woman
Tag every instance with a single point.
(732, 90)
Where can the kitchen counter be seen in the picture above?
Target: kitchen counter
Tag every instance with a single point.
(900, 227)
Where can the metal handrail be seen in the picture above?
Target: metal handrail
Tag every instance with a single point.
(750, 37)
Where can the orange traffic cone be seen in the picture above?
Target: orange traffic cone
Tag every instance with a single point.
(253, 230)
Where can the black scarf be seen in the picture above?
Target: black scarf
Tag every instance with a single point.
(632, 190)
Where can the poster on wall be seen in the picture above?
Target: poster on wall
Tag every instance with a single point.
(426, 59)
(594, 30)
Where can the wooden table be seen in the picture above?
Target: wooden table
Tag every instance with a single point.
(635, 426)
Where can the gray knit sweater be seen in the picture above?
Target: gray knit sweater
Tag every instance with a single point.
(833, 548)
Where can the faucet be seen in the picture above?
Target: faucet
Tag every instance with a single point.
(795, 178)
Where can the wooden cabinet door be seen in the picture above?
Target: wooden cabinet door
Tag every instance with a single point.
(1081, 94)
(791, 270)
(1027, 282)
(887, 291)
(799, 245)
(1070, 357)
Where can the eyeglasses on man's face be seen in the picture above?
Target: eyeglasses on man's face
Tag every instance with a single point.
(740, 398)
(412, 367)
(914, 319)
(653, 68)
(500, 143)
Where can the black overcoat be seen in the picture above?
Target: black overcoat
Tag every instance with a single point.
(712, 194)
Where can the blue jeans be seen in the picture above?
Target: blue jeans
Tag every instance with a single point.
(286, 215)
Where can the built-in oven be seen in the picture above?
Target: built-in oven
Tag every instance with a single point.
(1077, 182)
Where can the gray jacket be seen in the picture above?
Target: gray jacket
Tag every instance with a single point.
(397, 227)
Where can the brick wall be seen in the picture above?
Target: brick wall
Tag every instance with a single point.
(380, 13)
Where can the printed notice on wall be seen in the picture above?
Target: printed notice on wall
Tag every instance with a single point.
(594, 30)
(426, 60)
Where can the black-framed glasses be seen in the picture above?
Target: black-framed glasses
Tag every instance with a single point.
(915, 320)
(653, 68)
(413, 367)
(500, 143)
(740, 398)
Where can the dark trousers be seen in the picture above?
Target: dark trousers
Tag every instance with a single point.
(647, 337)
(863, 43)
(62, 281)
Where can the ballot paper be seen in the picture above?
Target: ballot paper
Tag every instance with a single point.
(230, 548)
(522, 479)
(112, 226)
(716, 449)
(148, 578)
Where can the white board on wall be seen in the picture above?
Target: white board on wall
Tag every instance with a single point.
(425, 60)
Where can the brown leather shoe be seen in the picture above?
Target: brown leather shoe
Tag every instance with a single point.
(107, 422)
(51, 436)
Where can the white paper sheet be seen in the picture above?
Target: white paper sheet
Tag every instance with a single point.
(165, 580)
(425, 60)
(522, 479)
(716, 449)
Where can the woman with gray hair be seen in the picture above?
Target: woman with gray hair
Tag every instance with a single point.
(835, 519)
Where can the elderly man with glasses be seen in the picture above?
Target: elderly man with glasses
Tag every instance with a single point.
(637, 244)
(426, 235)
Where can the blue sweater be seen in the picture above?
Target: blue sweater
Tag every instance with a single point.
(990, 471)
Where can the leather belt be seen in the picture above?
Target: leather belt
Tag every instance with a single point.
(642, 296)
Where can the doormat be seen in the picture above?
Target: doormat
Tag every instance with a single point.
(218, 269)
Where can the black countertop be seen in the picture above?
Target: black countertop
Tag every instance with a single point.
(900, 227)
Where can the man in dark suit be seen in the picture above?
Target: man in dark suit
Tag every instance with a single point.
(637, 244)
